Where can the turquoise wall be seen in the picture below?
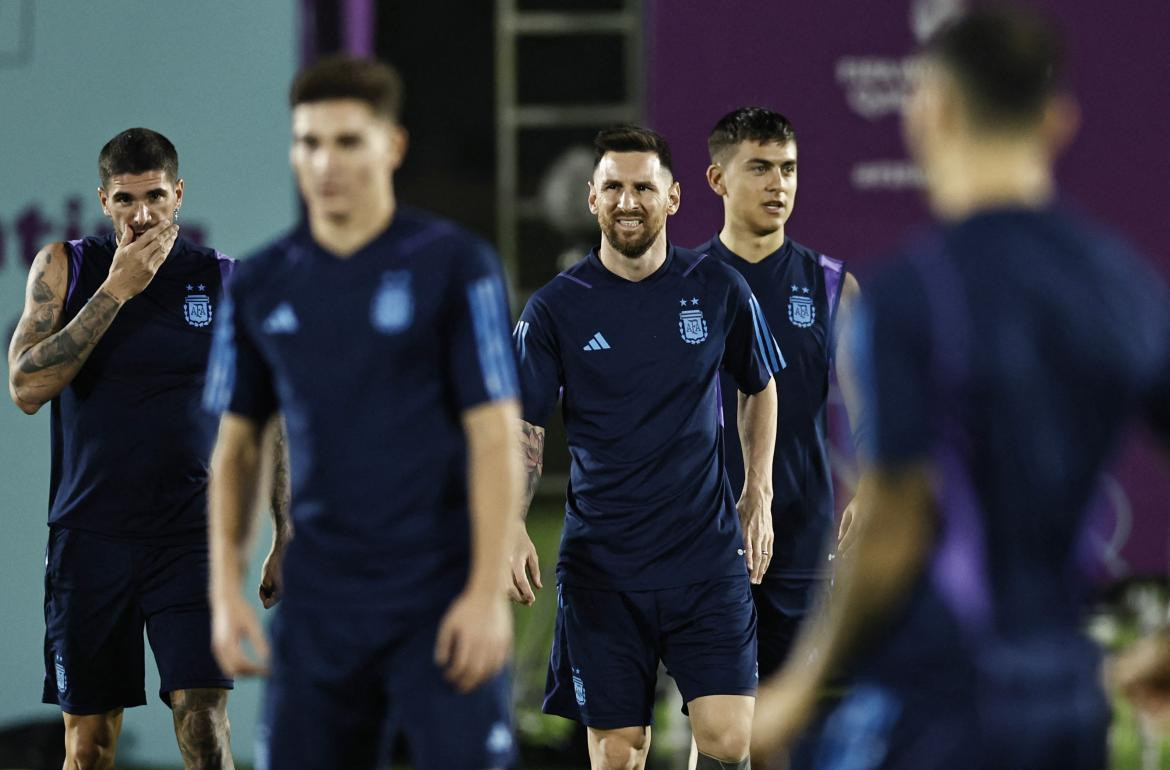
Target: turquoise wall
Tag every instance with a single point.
(212, 76)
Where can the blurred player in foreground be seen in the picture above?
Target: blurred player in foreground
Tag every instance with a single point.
(654, 564)
(1004, 352)
(115, 335)
(381, 334)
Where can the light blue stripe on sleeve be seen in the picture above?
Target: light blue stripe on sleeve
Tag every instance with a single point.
(488, 319)
(221, 368)
(520, 335)
(765, 346)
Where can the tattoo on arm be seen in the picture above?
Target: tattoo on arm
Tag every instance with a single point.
(73, 344)
(532, 442)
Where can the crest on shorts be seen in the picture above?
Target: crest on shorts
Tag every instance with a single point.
(801, 310)
(62, 680)
(578, 687)
(392, 308)
(197, 307)
(692, 327)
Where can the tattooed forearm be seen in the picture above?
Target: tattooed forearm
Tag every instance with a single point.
(532, 443)
(72, 345)
(281, 486)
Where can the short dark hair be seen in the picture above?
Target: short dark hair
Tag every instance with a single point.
(342, 77)
(1005, 59)
(757, 124)
(137, 151)
(630, 138)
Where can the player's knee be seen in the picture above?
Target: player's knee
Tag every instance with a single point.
(201, 725)
(621, 749)
(728, 743)
(82, 752)
(90, 744)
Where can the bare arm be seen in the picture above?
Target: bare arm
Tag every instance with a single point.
(532, 445)
(236, 471)
(890, 553)
(849, 381)
(494, 490)
(475, 636)
(525, 561)
(44, 357)
(276, 447)
(757, 436)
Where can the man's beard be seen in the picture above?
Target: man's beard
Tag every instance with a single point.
(631, 249)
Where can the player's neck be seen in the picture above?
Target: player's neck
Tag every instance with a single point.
(749, 246)
(345, 236)
(633, 268)
(991, 174)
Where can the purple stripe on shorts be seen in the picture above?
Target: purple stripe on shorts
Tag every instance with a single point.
(959, 567)
(74, 269)
(359, 27)
(692, 267)
(575, 280)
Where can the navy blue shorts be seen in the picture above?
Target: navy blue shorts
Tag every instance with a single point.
(99, 593)
(781, 605)
(346, 681)
(607, 646)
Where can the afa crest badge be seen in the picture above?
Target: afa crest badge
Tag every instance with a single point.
(392, 308)
(197, 309)
(801, 311)
(578, 687)
(692, 327)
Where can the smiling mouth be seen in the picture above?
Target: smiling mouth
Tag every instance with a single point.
(629, 224)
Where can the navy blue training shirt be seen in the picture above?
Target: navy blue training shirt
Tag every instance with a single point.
(637, 367)
(799, 291)
(130, 443)
(372, 360)
(1008, 350)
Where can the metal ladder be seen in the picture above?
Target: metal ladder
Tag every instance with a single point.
(512, 117)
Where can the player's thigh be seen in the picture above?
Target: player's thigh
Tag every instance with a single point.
(325, 702)
(781, 606)
(604, 663)
(93, 631)
(173, 599)
(444, 728)
(709, 638)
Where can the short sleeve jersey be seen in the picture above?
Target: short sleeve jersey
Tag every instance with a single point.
(1009, 350)
(799, 291)
(130, 443)
(636, 366)
(372, 360)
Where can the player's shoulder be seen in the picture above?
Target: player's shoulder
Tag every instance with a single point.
(579, 277)
(419, 230)
(815, 258)
(269, 259)
(709, 269)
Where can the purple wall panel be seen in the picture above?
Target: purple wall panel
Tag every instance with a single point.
(832, 67)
